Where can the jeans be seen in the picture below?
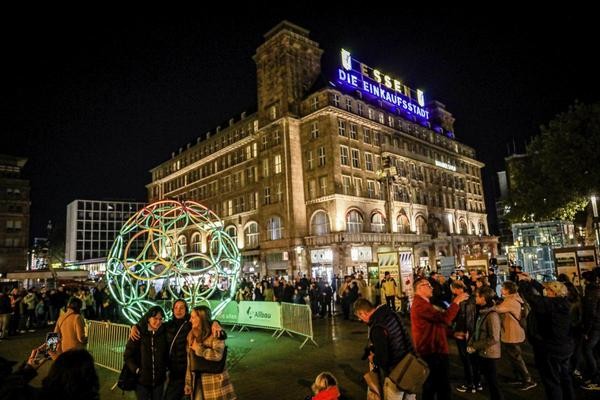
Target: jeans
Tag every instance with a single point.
(489, 369)
(391, 302)
(470, 364)
(513, 350)
(4, 324)
(175, 388)
(438, 380)
(555, 374)
(588, 354)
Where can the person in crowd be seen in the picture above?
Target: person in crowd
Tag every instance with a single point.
(591, 330)
(5, 311)
(389, 343)
(548, 331)
(575, 302)
(463, 329)
(486, 340)
(267, 291)
(513, 335)
(389, 290)
(325, 387)
(71, 376)
(429, 327)
(71, 328)
(148, 357)
(202, 343)
(325, 299)
(493, 279)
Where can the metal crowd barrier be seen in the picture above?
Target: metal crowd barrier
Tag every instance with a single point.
(297, 318)
(106, 342)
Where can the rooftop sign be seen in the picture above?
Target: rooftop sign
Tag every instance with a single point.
(382, 86)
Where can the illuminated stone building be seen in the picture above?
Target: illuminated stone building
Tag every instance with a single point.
(302, 183)
(14, 214)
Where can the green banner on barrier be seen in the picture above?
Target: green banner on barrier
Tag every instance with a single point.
(260, 313)
(229, 315)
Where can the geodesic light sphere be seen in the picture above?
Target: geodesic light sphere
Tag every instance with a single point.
(151, 250)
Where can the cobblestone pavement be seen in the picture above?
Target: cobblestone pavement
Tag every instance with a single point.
(262, 367)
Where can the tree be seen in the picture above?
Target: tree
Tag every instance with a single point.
(560, 172)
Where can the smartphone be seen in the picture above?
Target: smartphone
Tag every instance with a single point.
(52, 339)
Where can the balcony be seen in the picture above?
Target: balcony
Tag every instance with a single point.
(364, 237)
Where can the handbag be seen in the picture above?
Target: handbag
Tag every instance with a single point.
(204, 366)
(127, 379)
(410, 374)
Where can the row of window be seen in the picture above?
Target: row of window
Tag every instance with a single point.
(85, 207)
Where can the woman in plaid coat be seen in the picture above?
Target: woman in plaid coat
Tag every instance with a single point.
(201, 343)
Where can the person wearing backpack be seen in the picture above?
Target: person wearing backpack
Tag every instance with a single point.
(549, 332)
(513, 312)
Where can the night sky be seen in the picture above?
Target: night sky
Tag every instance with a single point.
(96, 103)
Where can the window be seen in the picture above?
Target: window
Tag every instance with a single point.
(273, 112)
(314, 130)
(358, 187)
(367, 135)
(353, 131)
(277, 163)
(403, 224)
(355, 158)
(336, 100)
(370, 112)
(314, 104)
(354, 222)
(264, 142)
(371, 193)
(251, 235)
(360, 109)
(344, 155)
(274, 228)
(369, 161)
(267, 195)
(276, 137)
(278, 192)
(265, 167)
(390, 121)
(381, 119)
(323, 185)
(341, 127)
(321, 155)
(309, 159)
(377, 223)
(232, 232)
(346, 182)
(421, 225)
(312, 189)
(376, 138)
(348, 104)
(319, 224)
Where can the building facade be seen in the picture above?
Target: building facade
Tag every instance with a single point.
(92, 226)
(323, 176)
(14, 214)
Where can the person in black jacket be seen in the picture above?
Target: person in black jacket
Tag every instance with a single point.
(463, 329)
(389, 343)
(148, 357)
(591, 329)
(549, 332)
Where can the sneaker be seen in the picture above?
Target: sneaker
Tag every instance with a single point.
(528, 385)
(466, 388)
(31, 330)
(479, 387)
(590, 386)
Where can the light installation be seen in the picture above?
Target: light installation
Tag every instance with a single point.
(151, 251)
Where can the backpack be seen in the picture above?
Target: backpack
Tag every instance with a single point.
(525, 310)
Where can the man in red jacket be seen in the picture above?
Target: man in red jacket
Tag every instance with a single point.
(429, 326)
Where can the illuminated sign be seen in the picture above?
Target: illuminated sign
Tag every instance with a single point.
(445, 165)
(382, 86)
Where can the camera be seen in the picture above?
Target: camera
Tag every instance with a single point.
(52, 339)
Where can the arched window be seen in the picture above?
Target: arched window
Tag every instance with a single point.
(463, 227)
(319, 224)
(403, 223)
(377, 223)
(181, 245)
(274, 228)
(421, 225)
(196, 243)
(251, 235)
(473, 231)
(354, 222)
(482, 228)
(231, 231)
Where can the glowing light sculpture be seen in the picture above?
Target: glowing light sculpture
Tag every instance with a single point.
(148, 251)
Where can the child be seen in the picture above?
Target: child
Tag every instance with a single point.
(325, 387)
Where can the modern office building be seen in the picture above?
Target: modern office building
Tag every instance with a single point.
(332, 170)
(92, 226)
(14, 214)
